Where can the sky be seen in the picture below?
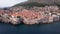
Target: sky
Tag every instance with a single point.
(7, 3)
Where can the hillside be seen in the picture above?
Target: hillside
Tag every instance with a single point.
(39, 3)
(31, 4)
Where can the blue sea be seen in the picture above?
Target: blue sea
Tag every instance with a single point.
(53, 28)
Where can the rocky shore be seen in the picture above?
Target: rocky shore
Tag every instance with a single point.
(33, 15)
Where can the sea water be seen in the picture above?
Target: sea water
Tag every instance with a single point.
(53, 28)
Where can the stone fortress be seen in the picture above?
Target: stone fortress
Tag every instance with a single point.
(33, 15)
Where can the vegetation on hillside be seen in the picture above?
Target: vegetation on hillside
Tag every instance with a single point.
(31, 4)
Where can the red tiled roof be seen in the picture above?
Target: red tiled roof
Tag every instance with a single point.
(27, 14)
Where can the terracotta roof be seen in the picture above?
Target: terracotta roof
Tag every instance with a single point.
(27, 14)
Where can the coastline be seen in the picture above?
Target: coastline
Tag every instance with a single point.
(41, 15)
